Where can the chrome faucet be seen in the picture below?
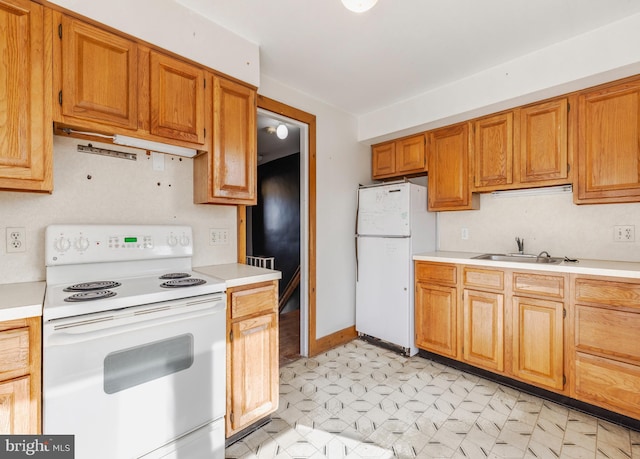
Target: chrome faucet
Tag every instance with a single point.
(544, 252)
(520, 243)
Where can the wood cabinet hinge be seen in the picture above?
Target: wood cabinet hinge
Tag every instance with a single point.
(568, 168)
(564, 380)
(231, 417)
(564, 313)
(60, 30)
(60, 97)
(568, 107)
(205, 83)
(205, 133)
(231, 335)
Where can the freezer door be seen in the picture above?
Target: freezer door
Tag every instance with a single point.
(384, 210)
(384, 300)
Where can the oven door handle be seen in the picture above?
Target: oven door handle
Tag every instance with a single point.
(109, 325)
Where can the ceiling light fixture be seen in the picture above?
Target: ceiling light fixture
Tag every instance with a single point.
(359, 6)
(282, 132)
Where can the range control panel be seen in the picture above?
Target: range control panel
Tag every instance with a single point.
(72, 244)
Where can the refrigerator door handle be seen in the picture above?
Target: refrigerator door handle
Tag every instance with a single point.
(357, 270)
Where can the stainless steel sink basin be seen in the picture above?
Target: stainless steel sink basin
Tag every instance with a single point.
(518, 258)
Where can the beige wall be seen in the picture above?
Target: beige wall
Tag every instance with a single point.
(547, 222)
(119, 192)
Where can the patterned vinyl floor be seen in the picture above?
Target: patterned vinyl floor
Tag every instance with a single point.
(362, 401)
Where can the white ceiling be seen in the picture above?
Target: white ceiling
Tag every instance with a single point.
(400, 48)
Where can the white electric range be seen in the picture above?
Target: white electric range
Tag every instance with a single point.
(133, 343)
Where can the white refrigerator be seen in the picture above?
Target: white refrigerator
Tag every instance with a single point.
(392, 224)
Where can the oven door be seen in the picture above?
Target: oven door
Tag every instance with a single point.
(127, 382)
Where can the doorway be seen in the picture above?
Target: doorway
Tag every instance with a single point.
(295, 119)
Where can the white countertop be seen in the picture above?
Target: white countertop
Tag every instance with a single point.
(22, 300)
(583, 266)
(236, 274)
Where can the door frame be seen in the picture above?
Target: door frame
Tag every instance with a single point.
(310, 347)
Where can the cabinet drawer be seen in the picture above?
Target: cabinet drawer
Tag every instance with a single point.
(479, 277)
(539, 284)
(253, 299)
(14, 353)
(607, 332)
(436, 272)
(610, 384)
(609, 293)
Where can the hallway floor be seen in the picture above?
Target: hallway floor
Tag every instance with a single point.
(362, 401)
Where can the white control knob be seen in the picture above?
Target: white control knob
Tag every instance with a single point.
(82, 244)
(184, 240)
(172, 240)
(61, 244)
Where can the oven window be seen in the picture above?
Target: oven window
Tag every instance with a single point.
(137, 365)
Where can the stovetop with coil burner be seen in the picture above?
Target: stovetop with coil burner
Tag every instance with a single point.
(98, 268)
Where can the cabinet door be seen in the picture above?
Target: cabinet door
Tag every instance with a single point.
(448, 185)
(234, 160)
(493, 151)
(483, 324)
(15, 404)
(538, 344)
(543, 157)
(436, 319)
(383, 160)
(99, 76)
(26, 139)
(253, 370)
(410, 155)
(609, 144)
(176, 98)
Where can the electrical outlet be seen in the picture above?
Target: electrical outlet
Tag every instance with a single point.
(16, 240)
(624, 233)
(464, 234)
(218, 236)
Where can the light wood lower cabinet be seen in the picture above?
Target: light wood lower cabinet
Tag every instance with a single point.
(252, 354)
(605, 349)
(20, 370)
(538, 342)
(508, 322)
(483, 321)
(436, 308)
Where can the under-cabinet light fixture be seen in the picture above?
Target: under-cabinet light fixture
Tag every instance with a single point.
(153, 146)
(532, 191)
(127, 141)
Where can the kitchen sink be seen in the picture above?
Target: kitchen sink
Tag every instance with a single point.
(519, 258)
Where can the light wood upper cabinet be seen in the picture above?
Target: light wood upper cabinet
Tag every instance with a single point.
(227, 174)
(383, 160)
(524, 147)
(97, 75)
(20, 376)
(399, 158)
(252, 354)
(542, 137)
(493, 151)
(448, 184)
(609, 144)
(26, 141)
(176, 97)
